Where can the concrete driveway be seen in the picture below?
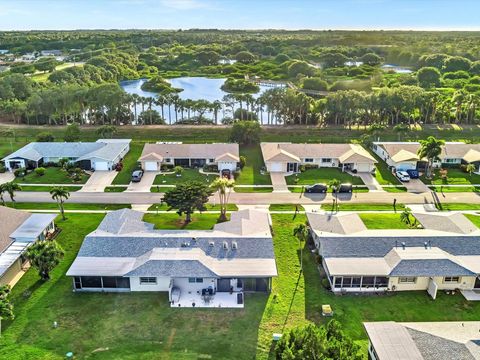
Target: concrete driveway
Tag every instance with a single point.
(6, 177)
(278, 182)
(98, 181)
(416, 186)
(145, 184)
(370, 181)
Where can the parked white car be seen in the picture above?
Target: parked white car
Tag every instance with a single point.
(403, 176)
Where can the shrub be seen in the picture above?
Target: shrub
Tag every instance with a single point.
(325, 283)
(243, 161)
(178, 170)
(45, 137)
(19, 172)
(40, 171)
(166, 167)
(2, 168)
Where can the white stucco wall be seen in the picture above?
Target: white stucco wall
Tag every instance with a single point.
(163, 284)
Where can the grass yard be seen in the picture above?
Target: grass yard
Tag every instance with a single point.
(383, 174)
(249, 189)
(395, 189)
(383, 221)
(456, 206)
(173, 221)
(285, 207)
(474, 219)
(130, 164)
(446, 188)
(210, 207)
(47, 188)
(300, 189)
(143, 326)
(67, 205)
(322, 175)
(454, 177)
(366, 207)
(7, 147)
(187, 175)
(250, 174)
(53, 175)
(115, 189)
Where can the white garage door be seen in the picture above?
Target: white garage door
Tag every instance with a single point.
(276, 167)
(101, 165)
(151, 166)
(363, 167)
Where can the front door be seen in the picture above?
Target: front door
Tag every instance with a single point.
(477, 283)
(292, 167)
(223, 285)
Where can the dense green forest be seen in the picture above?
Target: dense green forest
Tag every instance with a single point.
(328, 77)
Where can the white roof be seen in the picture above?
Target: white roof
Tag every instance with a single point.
(33, 227)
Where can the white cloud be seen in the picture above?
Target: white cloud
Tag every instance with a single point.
(183, 4)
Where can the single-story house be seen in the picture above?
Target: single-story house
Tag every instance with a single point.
(18, 230)
(202, 268)
(51, 52)
(103, 154)
(403, 155)
(225, 156)
(443, 253)
(287, 157)
(442, 340)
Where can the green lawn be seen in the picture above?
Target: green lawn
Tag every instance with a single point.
(130, 164)
(446, 188)
(68, 206)
(366, 207)
(250, 174)
(249, 189)
(454, 177)
(457, 206)
(299, 189)
(322, 175)
(47, 188)
(143, 326)
(160, 189)
(383, 221)
(395, 189)
(210, 207)
(474, 219)
(173, 221)
(285, 207)
(53, 175)
(115, 189)
(7, 147)
(383, 174)
(187, 175)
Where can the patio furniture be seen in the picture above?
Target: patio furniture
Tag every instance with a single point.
(327, 310)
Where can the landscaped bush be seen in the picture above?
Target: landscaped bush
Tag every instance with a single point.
(243, 161)
(2, 168)
(19, 172)
(210, 168)
(50, 164)
(40, 171)
(166, 167)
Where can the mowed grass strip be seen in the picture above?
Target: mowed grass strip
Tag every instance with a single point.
(322, 175)
(53, 175)
(250, 174)
(130, 164)
(383, 221)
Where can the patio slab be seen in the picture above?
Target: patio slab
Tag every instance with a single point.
(219, 300)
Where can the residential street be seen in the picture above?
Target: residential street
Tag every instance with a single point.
(260, 198)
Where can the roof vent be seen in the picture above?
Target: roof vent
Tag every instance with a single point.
(403, 245)
(185, 244)
(211, 244)
(194, 240)
(234, 245)
(225, 245)
(426, 245)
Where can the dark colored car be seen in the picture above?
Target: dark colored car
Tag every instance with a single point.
(137, 175)
(413, 174)
(345, 188)
(316, 188)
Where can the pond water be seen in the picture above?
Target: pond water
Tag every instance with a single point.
(397, 69)
(194, 88)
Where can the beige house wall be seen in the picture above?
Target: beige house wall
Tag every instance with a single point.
(465, 283)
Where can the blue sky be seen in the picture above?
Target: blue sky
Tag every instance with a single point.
(240, 14)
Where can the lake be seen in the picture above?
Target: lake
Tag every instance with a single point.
(194, 88)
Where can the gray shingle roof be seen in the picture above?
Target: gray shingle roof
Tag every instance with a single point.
(188, 268)
(429, 267)
(365, 246)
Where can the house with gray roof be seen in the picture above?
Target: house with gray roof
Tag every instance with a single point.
(390, 340)
(202, 268)
(441, 253)
(225, 156)
(103, 154)
(18, 230)
(287, 157)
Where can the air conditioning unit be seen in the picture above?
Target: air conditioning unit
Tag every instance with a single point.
(225, 245)
(234, 245)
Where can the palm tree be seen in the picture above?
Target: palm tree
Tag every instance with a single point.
(10, 188)
(60, 194)
(301, 233)
(334, 184)
(2, 191)
(405, 216)
(6, 308)
(216, 107)
(44, 256)
(224, 188)
(470, 169)
(430, 149)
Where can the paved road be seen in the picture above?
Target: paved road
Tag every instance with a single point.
(260, 198)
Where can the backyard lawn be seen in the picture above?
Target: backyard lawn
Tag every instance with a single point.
(383, 221)
(53, 175)
(130, 164)
(250, 174)
(143, 326)
(322, 175)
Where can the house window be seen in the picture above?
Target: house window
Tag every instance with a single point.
(148, 280)
(309, 160)
(407, 280)
(450, 161)
(326, 160)
(195, 280)
(211, 160)
(451, 279)
(167, 160)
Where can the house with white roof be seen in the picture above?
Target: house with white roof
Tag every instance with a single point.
(103, 154)
(443, 253)
(442, 340)
(403, 155)
(287, 157)
(202, 268)
(18, 230)
(224, 156)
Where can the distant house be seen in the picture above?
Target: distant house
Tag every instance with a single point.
(447, 340)
(442, 255)
(224, 156)
(18, 230)
(51, 52)
(202, 268)
(100, 155)
(403, 155)
(3, 51)
(287, 157)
